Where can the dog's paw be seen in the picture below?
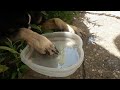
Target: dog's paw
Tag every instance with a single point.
(42, 45)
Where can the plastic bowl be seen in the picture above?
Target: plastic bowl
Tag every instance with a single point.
(66, 63)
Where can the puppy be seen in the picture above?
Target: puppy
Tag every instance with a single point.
(16, 25)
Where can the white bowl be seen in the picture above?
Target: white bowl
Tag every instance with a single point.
(66, 63)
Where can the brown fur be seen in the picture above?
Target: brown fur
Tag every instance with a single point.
(39, 42)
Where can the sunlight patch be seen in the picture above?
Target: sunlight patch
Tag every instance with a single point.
(106, 33)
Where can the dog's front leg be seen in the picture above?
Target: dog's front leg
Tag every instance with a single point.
(56, 23)
(38, 42)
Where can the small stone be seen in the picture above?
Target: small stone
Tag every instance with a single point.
(74, 18)
(93, 70)
(118, 71)
(94, 49)
(115, 75)
(97, 54)
(100, 71)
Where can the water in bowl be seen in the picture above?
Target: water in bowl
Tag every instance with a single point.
(69, 54)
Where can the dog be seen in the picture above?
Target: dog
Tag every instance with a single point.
(16, 25)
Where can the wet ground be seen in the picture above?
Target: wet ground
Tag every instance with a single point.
(101, 47)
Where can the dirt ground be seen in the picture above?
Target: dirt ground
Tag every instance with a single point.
(99, 62)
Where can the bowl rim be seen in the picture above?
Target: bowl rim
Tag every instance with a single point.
(28, 62)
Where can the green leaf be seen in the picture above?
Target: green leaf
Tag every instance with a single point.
(36, 27)
(19, 74)
(16, 42)
(43, 12)
(23, 68)
(9, 41)
(22, 42)
(8, 49)
(3, 68)
(2, 59)
(14, 74)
